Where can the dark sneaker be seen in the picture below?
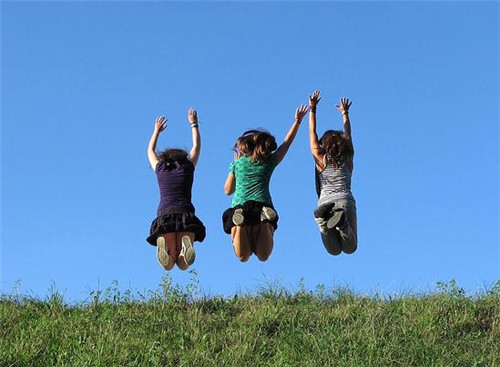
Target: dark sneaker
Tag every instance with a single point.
(238, 217)
(162, 252)
(336, 220)
(324, 211)
(267, 213)
(187, 250)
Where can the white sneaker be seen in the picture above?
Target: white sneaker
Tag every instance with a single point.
(187, 250)
(267, 213)
(238, 217)
(162, 252)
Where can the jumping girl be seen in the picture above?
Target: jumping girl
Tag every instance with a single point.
(176, 226)
(252, 219)
(333, 155)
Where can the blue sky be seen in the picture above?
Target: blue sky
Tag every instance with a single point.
(81, 84)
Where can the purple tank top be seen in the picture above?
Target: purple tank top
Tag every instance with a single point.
(175, 181)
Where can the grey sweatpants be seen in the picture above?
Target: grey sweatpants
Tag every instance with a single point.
(345, 238)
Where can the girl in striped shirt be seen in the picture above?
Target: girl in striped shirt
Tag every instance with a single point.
(333, 156)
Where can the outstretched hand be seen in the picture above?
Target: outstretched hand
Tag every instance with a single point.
(160, 124)
(314, 99)
(192, 115)
(344, 105)
(300, 112)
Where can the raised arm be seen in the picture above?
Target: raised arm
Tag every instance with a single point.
(195, 150)
(300, 112)
(313, 136)
(160, 125)
(344, 109)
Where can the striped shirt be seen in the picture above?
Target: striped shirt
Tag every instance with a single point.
(334, 183)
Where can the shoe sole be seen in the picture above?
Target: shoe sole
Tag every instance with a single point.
(238, 217)
(188, 250)
(268, 213)
(334, 219)
(162, 252)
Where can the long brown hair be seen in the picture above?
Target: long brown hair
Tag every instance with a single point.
(334, 145)
(258, 144)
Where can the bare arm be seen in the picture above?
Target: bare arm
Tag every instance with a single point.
(160, 125)
(344, 109)
(300, 112)
(194, 154)
(313, 136)
(230, 184)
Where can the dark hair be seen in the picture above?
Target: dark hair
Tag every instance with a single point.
(258, 144)
(171, 155)
(334, 145)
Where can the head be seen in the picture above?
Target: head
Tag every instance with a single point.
(333, 144)
(171, 155)
(257, 144)
(245, 143)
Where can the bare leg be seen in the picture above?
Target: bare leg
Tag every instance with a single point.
(171, 248)
(181, 262)
(263, 240)
(241, 242)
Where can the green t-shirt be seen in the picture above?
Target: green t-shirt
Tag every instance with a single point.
(252, 179)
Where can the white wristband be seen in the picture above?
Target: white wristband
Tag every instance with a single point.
(344, 112)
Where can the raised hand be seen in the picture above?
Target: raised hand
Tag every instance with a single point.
(192, 116)
(314, 99)
(344, 105)
(160, 124)
(300, 112)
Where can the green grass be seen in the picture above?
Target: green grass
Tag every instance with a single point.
(172, 326)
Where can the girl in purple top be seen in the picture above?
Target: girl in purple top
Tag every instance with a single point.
(176, 226)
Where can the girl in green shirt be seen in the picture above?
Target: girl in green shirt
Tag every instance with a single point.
(252, 220)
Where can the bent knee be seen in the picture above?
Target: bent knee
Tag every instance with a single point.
(334, 251)
(243, 258)
(263, 257)
(350, 250)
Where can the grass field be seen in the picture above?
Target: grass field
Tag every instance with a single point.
(174, 326)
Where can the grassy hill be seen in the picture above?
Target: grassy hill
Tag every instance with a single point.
(275, 327)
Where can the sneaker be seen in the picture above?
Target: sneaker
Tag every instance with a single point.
(238, 217)
(162, 252)
(187, 250)
(267, 213)
(336, 219)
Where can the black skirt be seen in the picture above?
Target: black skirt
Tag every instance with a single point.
(176, 221)
(251, 213)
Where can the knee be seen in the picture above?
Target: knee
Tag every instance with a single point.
(243, 258)
(350, 250)
(334, 251)
(171, 265)
(262, 257)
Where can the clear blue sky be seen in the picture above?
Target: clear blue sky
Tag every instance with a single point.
(81, 84)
